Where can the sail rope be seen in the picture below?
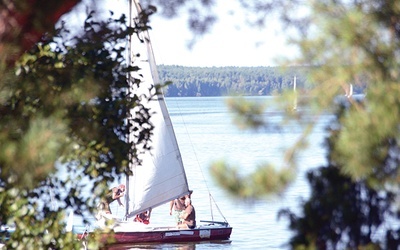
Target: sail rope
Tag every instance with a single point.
(193, 149)
(211, 198)
(216, 205)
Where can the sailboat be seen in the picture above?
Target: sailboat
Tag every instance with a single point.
(161, 176)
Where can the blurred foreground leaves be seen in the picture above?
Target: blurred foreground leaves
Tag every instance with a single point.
(65, 108)
(354, 198)
(70, 102)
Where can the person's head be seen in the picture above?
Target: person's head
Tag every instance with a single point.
(187, 198)
(187, 201)
(121, 188)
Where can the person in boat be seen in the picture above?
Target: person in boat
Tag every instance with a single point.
(143, 217)
(177, 206)
(188, 216)
(115, 194)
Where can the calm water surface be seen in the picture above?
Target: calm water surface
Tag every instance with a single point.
(205, 134)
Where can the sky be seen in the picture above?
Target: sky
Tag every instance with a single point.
(230, 42)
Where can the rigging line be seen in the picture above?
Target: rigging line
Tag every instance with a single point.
(211, 198)
(219, 210)
(193, 149)
(197, 161)
(211, 208)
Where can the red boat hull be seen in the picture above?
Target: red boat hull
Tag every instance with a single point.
(174, 235)
(169, 236)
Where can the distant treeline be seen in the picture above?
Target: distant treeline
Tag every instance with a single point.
(218, 81)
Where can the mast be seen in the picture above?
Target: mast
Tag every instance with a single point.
(127, 192)
(150, 53)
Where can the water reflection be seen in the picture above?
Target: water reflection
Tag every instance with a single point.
(175, 246)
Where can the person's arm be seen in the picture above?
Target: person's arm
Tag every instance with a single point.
(185, 214)
(114, 193)
(171, 205)
(117, 194)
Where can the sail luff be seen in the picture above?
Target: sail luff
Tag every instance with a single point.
(161, 176)
(160, 95)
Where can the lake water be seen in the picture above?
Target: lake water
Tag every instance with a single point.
(205, 134)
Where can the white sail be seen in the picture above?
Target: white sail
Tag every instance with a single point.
(161, 177)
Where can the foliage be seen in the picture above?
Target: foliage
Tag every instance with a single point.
(352, 43)
(346, 42)
(65, 111)
(360, 42)
(24, 22)
(266, 177)
(343, 213)
(219, 81)
(53, 107)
